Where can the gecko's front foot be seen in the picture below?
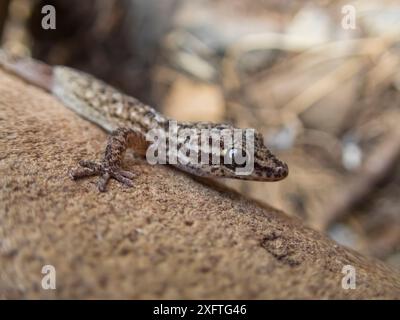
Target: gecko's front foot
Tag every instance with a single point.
(105, 171)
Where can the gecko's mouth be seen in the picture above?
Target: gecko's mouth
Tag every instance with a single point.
(234, 167)
(267, 173)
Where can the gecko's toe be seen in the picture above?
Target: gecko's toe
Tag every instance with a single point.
(102, 183)
(85, 169)
(90, 164)
(123, 179)
(127, 174)
(81, 173)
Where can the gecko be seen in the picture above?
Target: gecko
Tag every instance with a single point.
(127, 120)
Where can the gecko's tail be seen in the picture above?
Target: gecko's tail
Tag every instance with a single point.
(33, 71)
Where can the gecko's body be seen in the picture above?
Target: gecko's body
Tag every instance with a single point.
(128, 121)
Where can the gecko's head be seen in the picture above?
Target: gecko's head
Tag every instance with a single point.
(228, 152)
(250, 159)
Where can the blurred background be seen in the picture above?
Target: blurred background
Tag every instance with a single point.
(319, 79)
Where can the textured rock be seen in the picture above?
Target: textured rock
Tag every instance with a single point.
(169, 237)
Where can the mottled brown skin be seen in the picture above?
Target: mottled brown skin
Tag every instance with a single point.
(128, 120)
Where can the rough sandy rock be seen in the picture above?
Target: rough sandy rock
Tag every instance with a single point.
(169, 237)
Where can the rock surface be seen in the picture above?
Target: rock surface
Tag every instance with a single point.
(169, 237)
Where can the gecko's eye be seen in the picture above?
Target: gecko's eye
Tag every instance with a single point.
(232, 153)
(235, 157)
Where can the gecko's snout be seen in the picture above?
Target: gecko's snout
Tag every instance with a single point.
(281, 171)
(278, 169)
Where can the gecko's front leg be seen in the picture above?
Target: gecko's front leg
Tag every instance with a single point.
(110, 167)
